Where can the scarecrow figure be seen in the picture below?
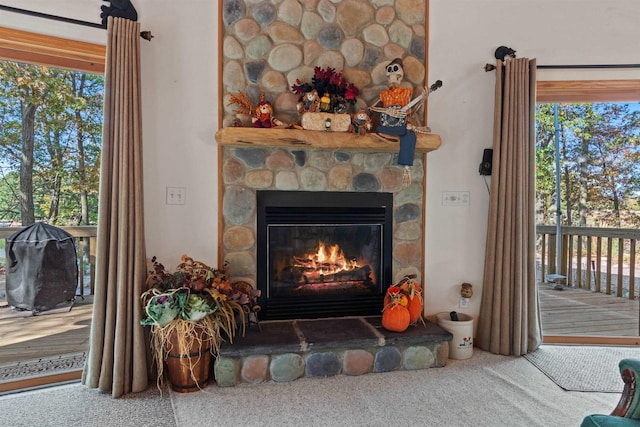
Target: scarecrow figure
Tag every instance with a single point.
(310, 102)
(360, 123)
(263, 117)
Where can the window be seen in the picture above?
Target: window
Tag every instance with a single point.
(22, 46)
(67, 136)
(597, 125)
(51, 123)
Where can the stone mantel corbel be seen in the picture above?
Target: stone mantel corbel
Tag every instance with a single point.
(294, 138)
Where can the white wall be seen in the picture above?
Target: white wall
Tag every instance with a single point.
(180, 112)
(463, 37)
(180, 93)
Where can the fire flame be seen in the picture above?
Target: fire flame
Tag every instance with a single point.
(327, 260)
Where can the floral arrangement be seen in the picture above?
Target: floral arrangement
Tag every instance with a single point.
(327, 81)
(195, 297)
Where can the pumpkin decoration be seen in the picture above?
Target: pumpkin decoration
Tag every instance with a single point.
(395, 315)
(412, 291)
(395, 318)
(391, 291)
(412, 288)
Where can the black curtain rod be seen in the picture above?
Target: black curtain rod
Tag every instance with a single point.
(144, 34)
(568, 67)
(504, 52)
(54, 17)
(491, 67)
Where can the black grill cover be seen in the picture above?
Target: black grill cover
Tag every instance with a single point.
(42, 268)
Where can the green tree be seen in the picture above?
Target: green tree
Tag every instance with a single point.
(545, 166)
(615, 145)
(599, 149)
(51, 132)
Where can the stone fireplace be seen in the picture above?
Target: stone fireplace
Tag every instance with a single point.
(312, 173)
(266, 47)
(291, 165)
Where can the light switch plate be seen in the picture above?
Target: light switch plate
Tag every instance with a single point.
(176, 195)
(455, 198)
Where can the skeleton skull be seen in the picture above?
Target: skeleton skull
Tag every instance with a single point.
(395, 73)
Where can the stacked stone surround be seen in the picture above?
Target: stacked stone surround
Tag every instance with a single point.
(284, 351)
(245, 170)
(268, 45)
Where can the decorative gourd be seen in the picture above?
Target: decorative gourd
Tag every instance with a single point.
(415, 301)
(395, 318)
(413, 291)
(390, 292)
(395, 315)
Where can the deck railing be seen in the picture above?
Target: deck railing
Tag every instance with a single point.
(599, 259)
(85, 239)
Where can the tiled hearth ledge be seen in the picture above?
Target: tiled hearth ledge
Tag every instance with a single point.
(320, 140)
(286, 350)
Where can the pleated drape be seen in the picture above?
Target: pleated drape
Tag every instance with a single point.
(117, 359)
(509, 319)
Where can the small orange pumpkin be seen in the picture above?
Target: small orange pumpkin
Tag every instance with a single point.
(392, 291)
(415, 302)
(395, 318)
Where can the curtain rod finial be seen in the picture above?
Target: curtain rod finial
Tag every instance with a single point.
(502, 52)
(118, 9)
(146, 35)
(489, 67)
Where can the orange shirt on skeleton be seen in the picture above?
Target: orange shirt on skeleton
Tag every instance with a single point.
(396, 96)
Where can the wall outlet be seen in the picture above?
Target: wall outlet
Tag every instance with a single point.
(455, 198)
(464, 303)
(176, 195)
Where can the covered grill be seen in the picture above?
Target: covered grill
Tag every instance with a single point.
(42, 268)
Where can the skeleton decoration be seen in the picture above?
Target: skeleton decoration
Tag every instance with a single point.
(395, 72)
(396, 106)
(393, 121)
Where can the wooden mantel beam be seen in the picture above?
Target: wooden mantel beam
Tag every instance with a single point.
(294, 138)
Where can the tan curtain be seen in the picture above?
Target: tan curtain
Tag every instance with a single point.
(117, 359)
(509, 320)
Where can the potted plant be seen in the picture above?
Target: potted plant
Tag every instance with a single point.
(191, 311)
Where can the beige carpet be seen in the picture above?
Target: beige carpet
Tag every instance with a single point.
(486, 390)
(74, 405)
(583, 368)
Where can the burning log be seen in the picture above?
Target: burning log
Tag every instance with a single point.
(361, 274)
(328, 267)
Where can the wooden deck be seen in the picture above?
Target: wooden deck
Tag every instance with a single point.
(24, 337)
(49, 334)
(580, 312)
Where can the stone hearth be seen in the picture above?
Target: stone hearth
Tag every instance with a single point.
(284, 351)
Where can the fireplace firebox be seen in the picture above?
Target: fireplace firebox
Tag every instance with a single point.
(323, 254)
